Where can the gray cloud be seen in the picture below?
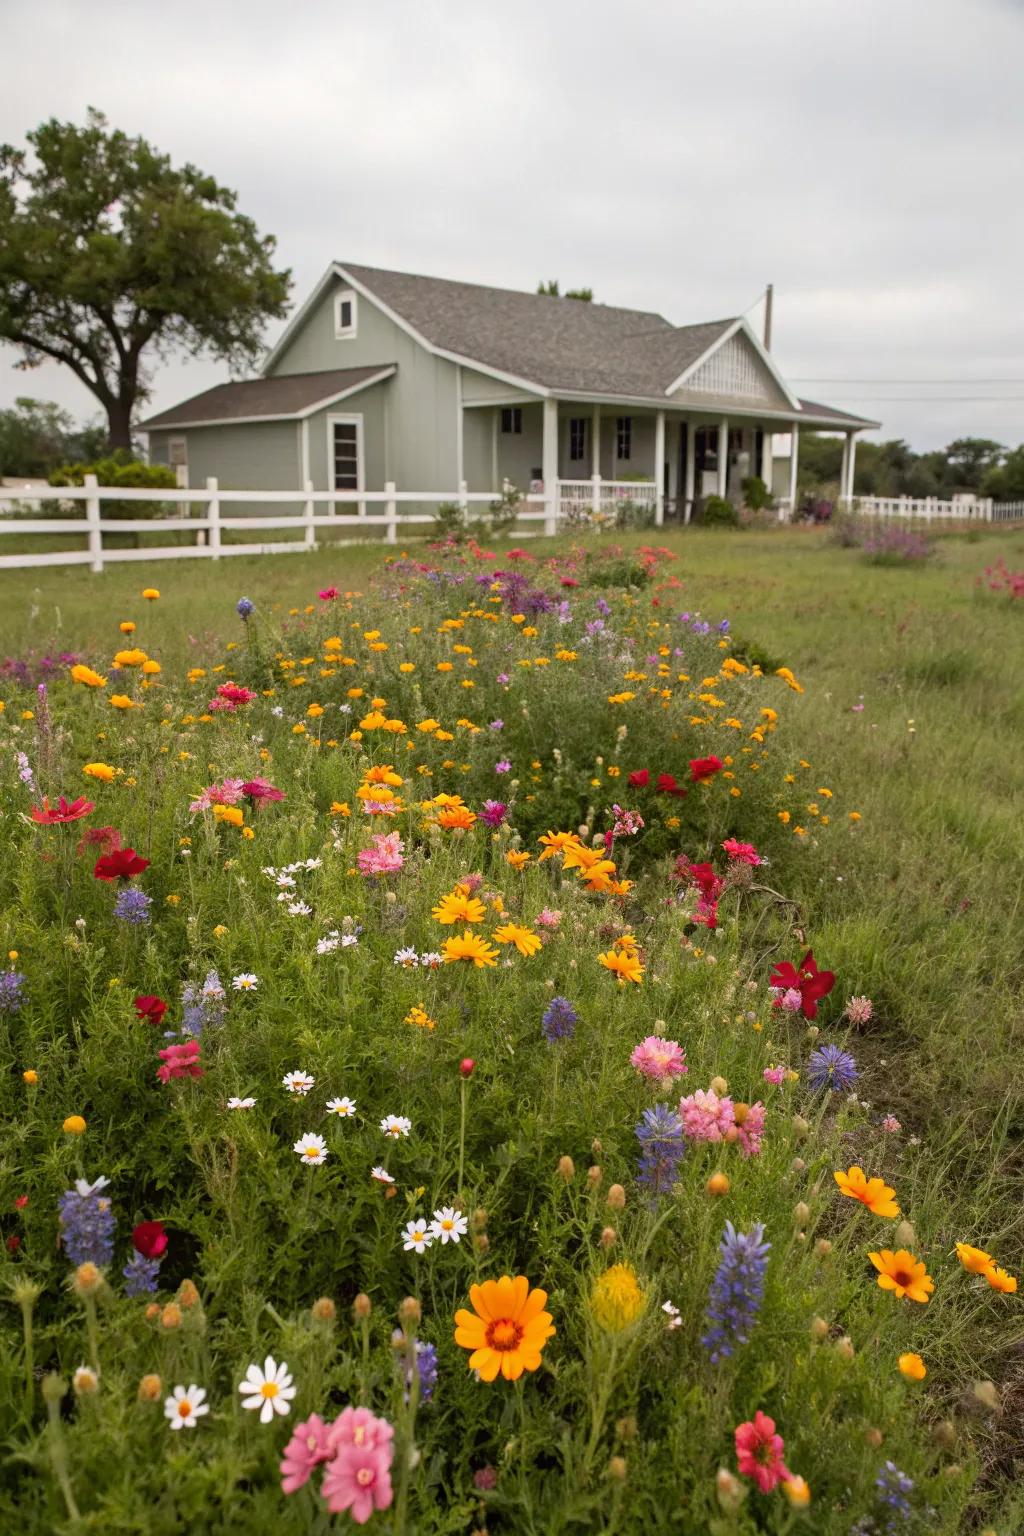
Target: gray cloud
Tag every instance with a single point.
(675, 156)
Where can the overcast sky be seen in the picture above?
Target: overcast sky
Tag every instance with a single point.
(671, 154)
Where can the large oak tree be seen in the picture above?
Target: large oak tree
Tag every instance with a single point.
(110, 257)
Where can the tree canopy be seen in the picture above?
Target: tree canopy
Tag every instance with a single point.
(893, 468)
(552, 291)
(110, 257)
(36, 436)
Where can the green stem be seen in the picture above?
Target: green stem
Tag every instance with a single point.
(93, 1332)
(412, 1371)
(463, 1086)
(26, 1320)
(364, 1387)
(58, 1457)
(600, 1408)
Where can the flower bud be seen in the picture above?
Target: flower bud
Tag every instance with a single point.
(986, 1396)
(608, 1236)
(874, 1438)
(88, 1280)
(323, 1310)
(188, 1296)
(797, 1492)
(467, 1066)
(718, 1184)
(54, 1387)
(904, 1236)
(819, 1328)
(150, 1389)
(479, 1218)
(822, 1248)
(627, 1428)
(800, 1127)
(797, 1165)
(74, 1125)
(362, 1306)
(812, 1032)
(616, 1197)
(481, 1242)
(730, 1491)
(844, 1347)
(617, 1468)
(720, 1086)
(566, 1168)
(953, 1470)
(409, 1311)
(595, 1147)
(594, 1176)
(152, 1310)
(85, 1382)
(944, 1434)
(170, 1317)
(801, 1213)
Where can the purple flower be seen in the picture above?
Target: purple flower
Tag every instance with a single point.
(502, 677)
(831, 1067)
(140, 1275)
(502, 765)
(87, 1223)
(132, 906)
(426, 1369)
(244, 607)
(496, 725)
(203, 1005)
(662, 1141)
(602, 607)
(894, 1486)
(559, 1020)
(736, 1291)
(11, 983)
(493, 813)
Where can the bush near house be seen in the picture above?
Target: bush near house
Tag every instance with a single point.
(122, 470)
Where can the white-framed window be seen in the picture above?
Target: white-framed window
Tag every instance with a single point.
(623, 437)
(577, 439)
(512, 420)
(345, 453)
(345, 315)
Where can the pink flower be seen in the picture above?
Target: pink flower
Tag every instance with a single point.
(759, 1452)
(548, 919)
(306, 1449)
(743, 853)
(706, 912)
(261, 789)
(328, 594)
(774, 1075)
(750, 1129)
(180, 1061)
(791, 1000)
(472, 883)
(658, 1058)
(705, 1116)
(859, 1010)
(233, 693)
(385, 857)
(228, 793)
(361, 1428)
(359, 1480)
(891, 1124)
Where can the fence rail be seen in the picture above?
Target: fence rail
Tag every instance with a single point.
(927, 509)
(596, 499)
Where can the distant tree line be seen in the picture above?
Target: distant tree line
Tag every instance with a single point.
(892, 468)
(37, 437)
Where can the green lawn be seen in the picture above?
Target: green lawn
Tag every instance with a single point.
(914, 709)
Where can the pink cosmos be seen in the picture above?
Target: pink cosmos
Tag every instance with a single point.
(306, 1449)
(361, 1428)
(743, 853)
(759, 1452)
(180, 1061)
(261, 789)
(749, 1134)
(548, 919)
(658, 1058)
(385, 857)
(228, 793)
(358, 1479)
(705, 1116)
(859, 1010)
(774, 1075)
(379, 808)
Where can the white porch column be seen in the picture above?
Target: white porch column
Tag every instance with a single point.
(723, 456)
(767, 467)
(595, 441)
(794, 452)
(659, 469)
(549, 455)
(495, 430)
(691, 470)
(844, 469)
(851, 460)
(460, 455)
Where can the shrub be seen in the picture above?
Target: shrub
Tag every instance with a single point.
(756, 494)
(893, 545)
(121, 470)
(717, 512)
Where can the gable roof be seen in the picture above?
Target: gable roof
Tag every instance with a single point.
(287, 397)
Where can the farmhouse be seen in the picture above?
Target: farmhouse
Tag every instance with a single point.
(428, 384)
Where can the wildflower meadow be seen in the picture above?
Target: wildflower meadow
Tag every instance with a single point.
(432, 1098)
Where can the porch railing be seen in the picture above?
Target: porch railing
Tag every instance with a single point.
(598, 500)
(927, 509)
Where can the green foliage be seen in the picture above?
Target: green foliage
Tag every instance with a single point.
(1006, 483)
(717, 512)
(110, 257)
(37, 435)
(551, 290)
(120, 469)
(756, 494)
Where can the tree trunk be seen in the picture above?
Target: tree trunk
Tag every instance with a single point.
(119, 417)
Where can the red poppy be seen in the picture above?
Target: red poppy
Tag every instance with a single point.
(704, 768)
(150, 1239)
(667, 785)
(151, 1008)
(640, 778)
(567, 581)
(122, 864)
(806, 979)
(67, 810)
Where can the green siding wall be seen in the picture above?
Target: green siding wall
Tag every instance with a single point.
(259, 456)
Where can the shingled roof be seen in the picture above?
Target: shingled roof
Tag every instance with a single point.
(286, 397)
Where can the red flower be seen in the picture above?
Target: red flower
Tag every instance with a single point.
(806, 979)
(328, 594)
(466, 1066)
(20, 1202)
(667, 785)
(567, 581)
(235, 694)
(704, 768)
(180, 1061)
(122, 864)
(107, 838)
(759, 1452)
(150, 1239)
(13, 1243)
(640, 778)
(72, 810)
(261, 789)
(151, 1008)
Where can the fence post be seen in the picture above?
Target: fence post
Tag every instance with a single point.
(463, 503)
(391, 513)
(213, 513)
(309, 537)
(92, 518)
(987, 509)
(595, 495)
(551, 507)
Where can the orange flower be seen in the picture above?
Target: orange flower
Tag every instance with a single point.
(975, 1260)
(999, 1280)
(912, 1367)
(878, 1197)
(517, 859)
(525, 940)
(454, 816)
(624, 964)
(507, 1328)
(469, 946)
(555, 842)
(902, 1273)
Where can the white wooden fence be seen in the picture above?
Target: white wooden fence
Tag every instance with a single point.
(928, 509)
(597, 499)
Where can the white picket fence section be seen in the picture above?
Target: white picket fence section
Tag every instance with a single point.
(584, 501)
(928, 509)
(312, 510)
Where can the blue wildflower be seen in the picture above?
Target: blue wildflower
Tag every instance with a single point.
(831, 1067)
(893, 1487)
(140, 1275)
(736, 1291)
(559, 1020)
(11, 983)
(132, 906)
(244, 607)
(202, 1006)
(661, 1135)
(87, 1223)
(426, 1366)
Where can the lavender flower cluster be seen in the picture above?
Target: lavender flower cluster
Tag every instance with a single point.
(661, 1135)
(11, 997)
(736, 1291)
(202, 1006)
(559, 1020)
(87, 1223)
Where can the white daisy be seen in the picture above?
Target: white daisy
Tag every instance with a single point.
(310, 864)
(245, 982)
(85, 1381)
(270, 1389)
(285, 881)
(312, 1149)
(343, 1107)
(407, 958)
(349, 940)
(328, 945)
(417, 1238)
(449, 1225)
(300, 909)
(396, 1126)
(186, 1406)
(298, 1082)
(672, 1317)
(431, 958)
(241, 1103)
(381, 1175)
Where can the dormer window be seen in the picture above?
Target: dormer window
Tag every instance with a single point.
(344, 315)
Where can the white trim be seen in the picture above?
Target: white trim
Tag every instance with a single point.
(460, 449)
(308, 410)
(336, 418)
(738, 327)
(346, 332)
(304, 471)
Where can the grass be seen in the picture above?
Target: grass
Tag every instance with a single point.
(912, 712)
